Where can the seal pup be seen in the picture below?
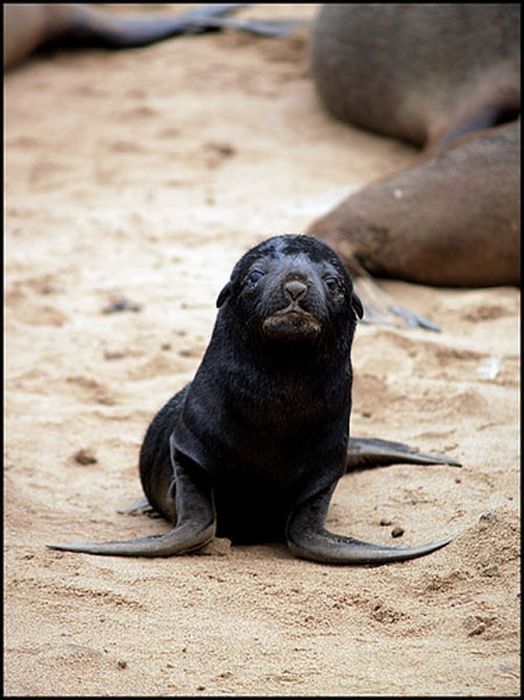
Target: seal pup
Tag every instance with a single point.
(253, 447)
(445, 77)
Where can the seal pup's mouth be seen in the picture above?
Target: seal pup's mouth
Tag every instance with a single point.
(291, 323)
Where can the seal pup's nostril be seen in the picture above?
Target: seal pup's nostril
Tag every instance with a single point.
(295, 289)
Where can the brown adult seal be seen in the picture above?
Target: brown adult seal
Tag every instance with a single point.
(450, 219)
(446, 77)
(253, 448)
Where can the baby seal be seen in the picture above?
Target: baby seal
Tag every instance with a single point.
(253, 447)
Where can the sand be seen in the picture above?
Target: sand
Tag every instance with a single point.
(144, 175)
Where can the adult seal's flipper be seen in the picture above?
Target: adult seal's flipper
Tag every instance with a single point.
(380, 308)
(28, 27)
(272, 28)
(115, 31)
(307, 538)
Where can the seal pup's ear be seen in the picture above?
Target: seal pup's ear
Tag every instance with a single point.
(357, 305)
(224, 295)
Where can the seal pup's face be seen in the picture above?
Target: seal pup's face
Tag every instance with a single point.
(292, 288)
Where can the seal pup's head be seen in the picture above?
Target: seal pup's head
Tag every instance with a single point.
(291, 289)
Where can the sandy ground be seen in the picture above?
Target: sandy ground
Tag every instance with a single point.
(144, 175)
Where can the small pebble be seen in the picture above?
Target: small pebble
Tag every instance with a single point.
(492, 570)
(223, 149)
(113, 354)
(190, 352)
(386, 521)
(474, 625)
(487, 519)
(85, 455)
(397, 531)
(119, 305)
(477, 630)
(121, 664)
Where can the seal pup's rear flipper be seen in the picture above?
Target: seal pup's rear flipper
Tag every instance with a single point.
(365, 453)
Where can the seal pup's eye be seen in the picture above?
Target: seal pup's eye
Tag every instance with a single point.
(331, 283)
(254, 276)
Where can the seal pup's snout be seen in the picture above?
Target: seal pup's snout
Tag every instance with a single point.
(295, 289)
(293, 321)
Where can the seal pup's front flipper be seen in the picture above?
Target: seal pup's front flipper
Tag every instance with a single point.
(192, 505)
(365, 453)
(307, 538)
(327, 548)
(182, 539)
